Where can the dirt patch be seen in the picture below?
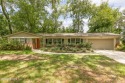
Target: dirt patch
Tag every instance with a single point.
(20, 57)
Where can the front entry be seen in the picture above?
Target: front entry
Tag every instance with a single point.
(36, 43)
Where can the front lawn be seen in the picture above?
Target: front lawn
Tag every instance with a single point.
(2, 52)
(62, 69)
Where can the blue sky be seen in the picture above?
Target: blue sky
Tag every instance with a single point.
(113, 3)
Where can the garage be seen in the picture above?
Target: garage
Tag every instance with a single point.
(102, 44)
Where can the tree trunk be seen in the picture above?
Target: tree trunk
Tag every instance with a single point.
(6, 15)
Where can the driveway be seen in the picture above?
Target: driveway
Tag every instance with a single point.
(116, 55)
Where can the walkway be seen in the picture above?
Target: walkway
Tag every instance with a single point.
(43, 52)
(116, 55)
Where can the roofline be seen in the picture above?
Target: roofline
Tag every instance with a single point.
(22, 32)
(80, 35)
(68, 35)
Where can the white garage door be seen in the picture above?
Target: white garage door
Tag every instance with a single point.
(102, 44)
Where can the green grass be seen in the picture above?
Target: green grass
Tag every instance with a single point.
(15, 52)
(62, 68)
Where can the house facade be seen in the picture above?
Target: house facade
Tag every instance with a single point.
(101, 41)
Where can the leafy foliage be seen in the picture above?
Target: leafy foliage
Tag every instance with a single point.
(103, 19)
(121, 26)
(12, 45)
(84, 47)
(46, 16)
(79, 9)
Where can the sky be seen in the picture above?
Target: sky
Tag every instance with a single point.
(113, 3)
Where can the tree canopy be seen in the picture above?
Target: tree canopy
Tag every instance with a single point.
(103, 19)
(42, 16)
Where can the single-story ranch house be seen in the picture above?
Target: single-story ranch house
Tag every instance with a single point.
(102, 41)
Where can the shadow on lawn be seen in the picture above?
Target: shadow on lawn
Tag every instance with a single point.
(64, 68)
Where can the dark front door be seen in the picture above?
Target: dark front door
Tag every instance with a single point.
(36, 43)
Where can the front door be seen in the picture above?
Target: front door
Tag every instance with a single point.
(36, 43)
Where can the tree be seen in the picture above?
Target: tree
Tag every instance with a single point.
(55, 15)
(104, 19)
(78, 10)
(3, 29)
(121, 25)
(30, 15)
(5, 13)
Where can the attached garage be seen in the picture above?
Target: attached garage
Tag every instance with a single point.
(102, 44)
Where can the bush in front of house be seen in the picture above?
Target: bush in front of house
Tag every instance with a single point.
(12, 45)
(120, 47)
(70, 48)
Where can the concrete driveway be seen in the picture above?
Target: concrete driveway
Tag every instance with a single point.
(116, 55)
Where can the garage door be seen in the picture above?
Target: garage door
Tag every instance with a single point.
(102, 44)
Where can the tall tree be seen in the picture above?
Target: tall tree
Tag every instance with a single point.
(5, 13)
(3, 27)
(79, 10)
(55, 14)
(30, 15)
(103, 19)
(120, 24)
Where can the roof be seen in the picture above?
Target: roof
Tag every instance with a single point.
(64, 35)
(80, 34)
(18, 33)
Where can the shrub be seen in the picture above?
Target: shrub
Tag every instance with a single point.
(84, 47)
(27, 48)
(120, 47)
(88, 45)
(123, 41)
(13, 45)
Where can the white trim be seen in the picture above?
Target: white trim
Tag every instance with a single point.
(114, 41)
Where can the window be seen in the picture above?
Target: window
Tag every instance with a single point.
(78, 41)
(23, 40)
(49, 41)
(72, 40)
(69, 41)
(81, 40)
(58, 41)
(15, 39)
(75, 41)
(62, 41)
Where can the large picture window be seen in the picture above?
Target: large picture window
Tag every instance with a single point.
(54, 41)
(75, 40)
(78, 40)
(72, 41)
(49, 41)
(22, 40)
(58, 41)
